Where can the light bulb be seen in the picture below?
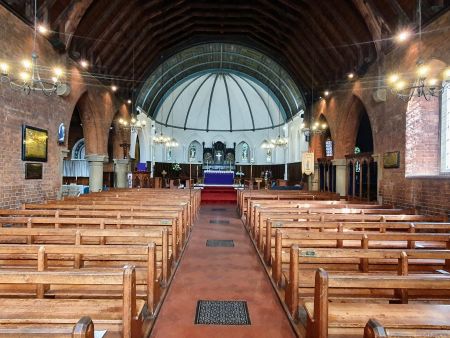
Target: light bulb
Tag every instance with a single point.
(393, 78)
(400, 85)
(121, 121)
(114, 88)
(422, 71)
(58, 71)
(42, 29)
(314, 127)
(133, 120)
(26, 64)
(432, 82)
(351, 75)
(403, 36)
(54, 79)
(129, 101)
(4, 67)
(326, 93)
(447, 73)
(24, 76)
(324, 125)
(84, 63)
(316, 124)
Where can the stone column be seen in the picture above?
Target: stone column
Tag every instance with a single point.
(95, 172)
(121, 171)
(378, 158)
(341, 176)
(64, 153)
(315, 178)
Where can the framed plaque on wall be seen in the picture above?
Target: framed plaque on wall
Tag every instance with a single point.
(33, 171)
(34, 144)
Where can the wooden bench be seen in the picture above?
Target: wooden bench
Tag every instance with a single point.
(287, 226)
(244, 196)
(120, 317)
(304, 262)
(354, 240)
(104, 237)
(374, 329)
(338, 214)
(99, 223)
(258, 228)
(325, 319)
(86, 257)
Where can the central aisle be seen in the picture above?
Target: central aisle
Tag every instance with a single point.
(221, 273)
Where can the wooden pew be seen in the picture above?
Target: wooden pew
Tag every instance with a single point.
(84, 328)
(86, 257)
(123, 316)
(325, 319)
(304, 262)
(245, 195)
(104, 237)
(100, 223)
(336, 214)
(287, 226)
(374, 329)
(355, 240)
(343, 217)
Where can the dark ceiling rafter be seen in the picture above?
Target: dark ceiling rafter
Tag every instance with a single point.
(317, 36)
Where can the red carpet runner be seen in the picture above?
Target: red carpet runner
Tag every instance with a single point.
(221, 195)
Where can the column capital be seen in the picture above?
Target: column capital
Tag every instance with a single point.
(339, 161)
(96, 158)
(122, 161)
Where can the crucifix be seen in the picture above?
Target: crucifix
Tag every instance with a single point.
(126, 147)
(218, 155)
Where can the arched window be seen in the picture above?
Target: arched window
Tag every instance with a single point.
(445, 130)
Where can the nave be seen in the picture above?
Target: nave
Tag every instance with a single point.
(221, 273)
(158, 263)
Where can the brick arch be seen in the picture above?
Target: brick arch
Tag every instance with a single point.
(348, 130)
(97, 110)
(318, 140)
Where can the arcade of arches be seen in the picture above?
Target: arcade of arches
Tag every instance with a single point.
(223, 83)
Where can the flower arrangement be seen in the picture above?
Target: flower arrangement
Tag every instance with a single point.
(176, 167)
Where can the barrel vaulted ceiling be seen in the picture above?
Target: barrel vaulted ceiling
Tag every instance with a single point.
(317, 41)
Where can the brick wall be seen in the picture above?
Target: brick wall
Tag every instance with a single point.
(37, 110)
(388, 121)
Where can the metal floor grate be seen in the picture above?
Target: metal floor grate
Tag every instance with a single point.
(222, 312)
(227, 243)
(218, 221)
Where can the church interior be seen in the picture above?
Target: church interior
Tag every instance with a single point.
(195, 168)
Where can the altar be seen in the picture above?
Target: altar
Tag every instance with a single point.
(219, 177)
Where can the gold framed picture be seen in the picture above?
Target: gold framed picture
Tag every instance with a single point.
(34, 144)
(391, 159)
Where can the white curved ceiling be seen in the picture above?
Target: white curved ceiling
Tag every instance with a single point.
(220, 101)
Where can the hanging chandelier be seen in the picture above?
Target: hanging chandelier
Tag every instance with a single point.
(133, 124)
(279, 141)
(172, 142)
(427, 82)
(161, 138)
(29, 78)
(267, 145)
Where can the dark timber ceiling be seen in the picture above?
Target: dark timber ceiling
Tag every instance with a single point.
(317, 41)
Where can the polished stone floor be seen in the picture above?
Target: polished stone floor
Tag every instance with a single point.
(221, 273)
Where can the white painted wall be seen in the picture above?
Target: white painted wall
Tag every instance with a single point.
(149, 151)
